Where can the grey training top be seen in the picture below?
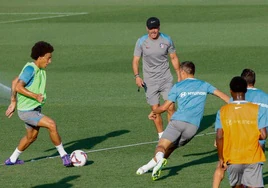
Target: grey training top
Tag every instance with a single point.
(155, 57)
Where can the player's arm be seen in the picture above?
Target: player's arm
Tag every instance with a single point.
(176, 64)
(25, 77)
(160, 109)
(135, 67)
(13, 98)
(219, 142)
(263, 134)
(20, 88)
(222, 95)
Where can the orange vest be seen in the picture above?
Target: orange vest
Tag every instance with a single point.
(241, 134)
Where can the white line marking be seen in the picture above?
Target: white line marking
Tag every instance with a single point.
(112, 148)
(40, 13)
(42, 18)
(5, 87)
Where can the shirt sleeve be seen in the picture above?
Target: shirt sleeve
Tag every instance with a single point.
(138, 48)
(262, 117)
(210, 88)
(27, 74)
(171, 48)
(218, 121)
(172, 95)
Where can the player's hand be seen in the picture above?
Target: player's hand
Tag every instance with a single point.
(152, 116)
(40, 98)
(215, 143)
(11, 109)
(222, 164)
(139, 82)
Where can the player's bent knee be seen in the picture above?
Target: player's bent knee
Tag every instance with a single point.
(52, 126)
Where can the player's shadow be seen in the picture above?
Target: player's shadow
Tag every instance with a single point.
(265, 177)
(84, 144)
(208, 159)
(206, 122)
(63, 183)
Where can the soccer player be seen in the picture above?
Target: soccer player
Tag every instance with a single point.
(29, 95)
(255, 96)
(190, 95)
(154, 48)
(239, 127)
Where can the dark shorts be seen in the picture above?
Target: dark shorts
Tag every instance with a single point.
(31, 117)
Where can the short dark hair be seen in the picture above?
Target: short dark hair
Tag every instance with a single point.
(249, 75)
(40, 49)
(238, 84)
(188, 67)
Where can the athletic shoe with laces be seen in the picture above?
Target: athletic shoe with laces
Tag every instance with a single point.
(66, 160)
(157, 169)
(8, 162)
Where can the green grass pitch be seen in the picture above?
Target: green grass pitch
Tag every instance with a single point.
(92, 95)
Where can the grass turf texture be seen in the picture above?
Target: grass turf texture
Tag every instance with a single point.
(92, 95)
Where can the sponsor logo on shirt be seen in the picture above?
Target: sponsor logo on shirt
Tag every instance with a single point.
(184, 94)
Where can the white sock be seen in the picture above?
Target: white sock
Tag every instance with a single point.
(61, 150)
(160, 134)
(159, 155)
(149, 165)
(15, 155)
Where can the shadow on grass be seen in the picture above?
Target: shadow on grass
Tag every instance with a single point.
(206, 122)
(84, 144)
(265, 178)
(208, 159)
(63, 183)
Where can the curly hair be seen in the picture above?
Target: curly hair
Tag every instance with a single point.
(40, 49)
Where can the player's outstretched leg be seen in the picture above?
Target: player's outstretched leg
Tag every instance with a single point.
(157, 169)
(8, 162)
(66, 160)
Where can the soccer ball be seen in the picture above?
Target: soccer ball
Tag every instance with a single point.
(78, 158)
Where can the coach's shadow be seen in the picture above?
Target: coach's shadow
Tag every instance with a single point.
(86, 143)
(63, 183)
(206, 122)
(208, 159)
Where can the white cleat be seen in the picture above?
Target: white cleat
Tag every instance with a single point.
(141, 171)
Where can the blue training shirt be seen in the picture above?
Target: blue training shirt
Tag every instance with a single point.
(190, 95)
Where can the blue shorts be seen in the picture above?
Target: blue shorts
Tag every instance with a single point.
(31, 117)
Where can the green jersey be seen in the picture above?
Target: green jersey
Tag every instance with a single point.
(35, 81)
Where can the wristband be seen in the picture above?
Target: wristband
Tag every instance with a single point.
(136, 75)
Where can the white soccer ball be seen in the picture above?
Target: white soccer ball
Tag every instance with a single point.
(78, 158)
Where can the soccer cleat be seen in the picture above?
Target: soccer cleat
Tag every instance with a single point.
(141, 171)
(66, 160)
(157, 169)
(8, 162)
